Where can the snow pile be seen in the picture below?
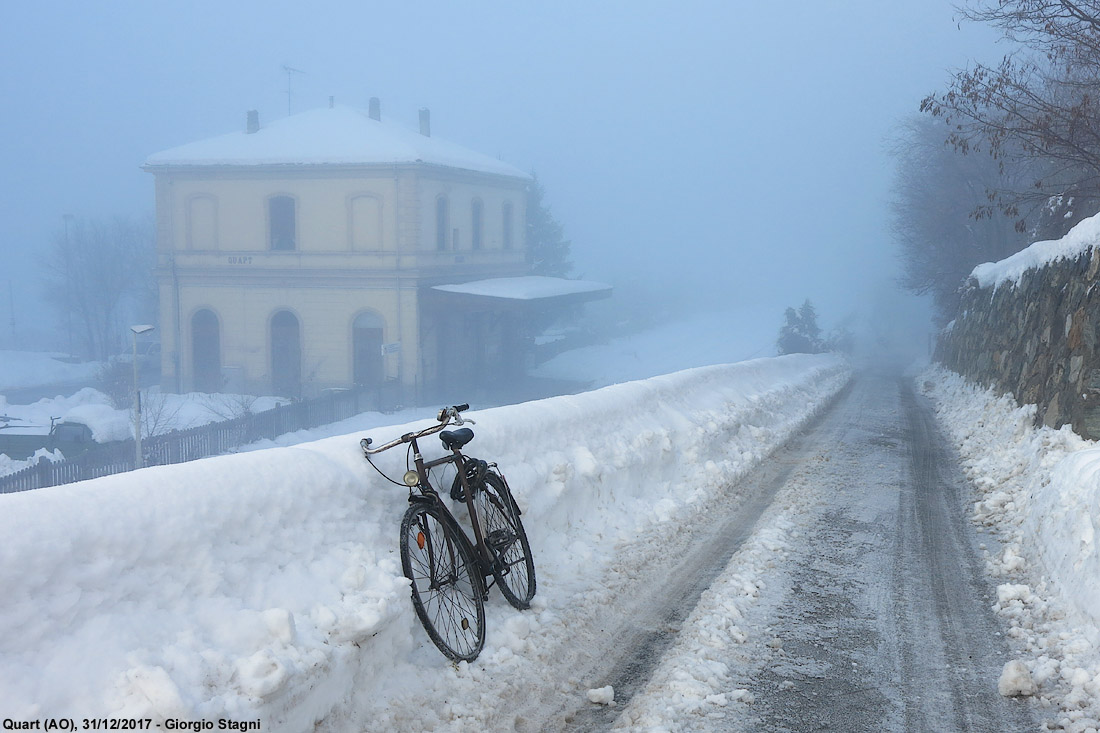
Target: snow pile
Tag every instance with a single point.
(602, 695)
(265, 585)
(1016, 680)
(1039, 492)
(1083, 235)
(11, 465)
(694, 680)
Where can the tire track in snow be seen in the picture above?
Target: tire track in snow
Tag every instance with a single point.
(887, 624)
(880, 621)
(646, 630)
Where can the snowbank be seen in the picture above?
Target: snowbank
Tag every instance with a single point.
(1085, 234)
(266, 585)
(1065, 518)
(1039, 490)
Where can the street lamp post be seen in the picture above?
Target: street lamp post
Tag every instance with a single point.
(138, 458)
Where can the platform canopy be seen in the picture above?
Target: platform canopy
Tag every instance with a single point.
(530, 290)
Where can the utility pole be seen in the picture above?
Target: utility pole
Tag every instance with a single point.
(11, 304)
(68, 218)
(290, 72)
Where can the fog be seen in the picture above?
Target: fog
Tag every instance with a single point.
(709, 153)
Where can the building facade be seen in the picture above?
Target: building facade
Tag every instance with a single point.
(298, 257)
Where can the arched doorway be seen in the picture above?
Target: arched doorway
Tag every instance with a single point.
(366, 350)
(206, 351)
(286, 355)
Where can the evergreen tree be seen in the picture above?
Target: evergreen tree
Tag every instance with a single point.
(800, 333)
(547, 247)
(807, 316)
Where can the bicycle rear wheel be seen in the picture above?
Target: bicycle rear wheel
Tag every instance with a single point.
(513, 566)
(447, 590)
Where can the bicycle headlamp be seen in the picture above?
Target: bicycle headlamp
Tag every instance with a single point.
(411, 478)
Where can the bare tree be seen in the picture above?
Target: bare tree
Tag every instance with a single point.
(158, 415)
(229, 406)
(93, 269)
(935, 196)
(1040, 105)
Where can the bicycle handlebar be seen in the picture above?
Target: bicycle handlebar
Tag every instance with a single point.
(445, 417)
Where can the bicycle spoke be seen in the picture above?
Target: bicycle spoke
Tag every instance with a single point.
(445, 597)
(506, 539)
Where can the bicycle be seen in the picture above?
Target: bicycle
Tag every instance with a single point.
(448, 571)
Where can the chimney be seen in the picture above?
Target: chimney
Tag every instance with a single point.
(375, 109)
(252, 123)
(425, 122)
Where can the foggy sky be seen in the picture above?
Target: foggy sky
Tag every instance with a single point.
(718, 148)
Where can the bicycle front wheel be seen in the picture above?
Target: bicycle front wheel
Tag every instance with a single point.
(447, 590)
(513, 566)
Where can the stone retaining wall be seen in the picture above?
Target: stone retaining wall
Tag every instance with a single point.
(1036, 340)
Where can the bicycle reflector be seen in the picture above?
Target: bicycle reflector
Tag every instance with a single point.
(420, 540)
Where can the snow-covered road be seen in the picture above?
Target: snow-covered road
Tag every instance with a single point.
(859, 603)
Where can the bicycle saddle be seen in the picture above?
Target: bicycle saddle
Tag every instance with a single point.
(456, 438)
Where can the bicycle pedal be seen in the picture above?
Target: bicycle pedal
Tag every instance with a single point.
(501, 539)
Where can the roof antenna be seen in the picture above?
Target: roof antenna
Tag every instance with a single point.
(290, 72)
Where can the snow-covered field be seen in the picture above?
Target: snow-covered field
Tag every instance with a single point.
(32, 368)
(265, 585)
(695, 340)
(1039, 497)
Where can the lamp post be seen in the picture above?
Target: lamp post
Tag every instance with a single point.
(138, 459)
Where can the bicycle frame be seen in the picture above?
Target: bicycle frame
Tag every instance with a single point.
(485, 558)
(429, 493)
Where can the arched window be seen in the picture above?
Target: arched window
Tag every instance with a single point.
(366, 339)
(281, 225)
(286, 355)
(206, 351)
(475, 224)
(442, 222)
(506, 225)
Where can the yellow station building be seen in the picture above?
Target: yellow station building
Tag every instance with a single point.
(331, 249)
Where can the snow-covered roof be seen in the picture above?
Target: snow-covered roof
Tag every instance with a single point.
(1082, 236)
(337, 135)
(530, 287)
